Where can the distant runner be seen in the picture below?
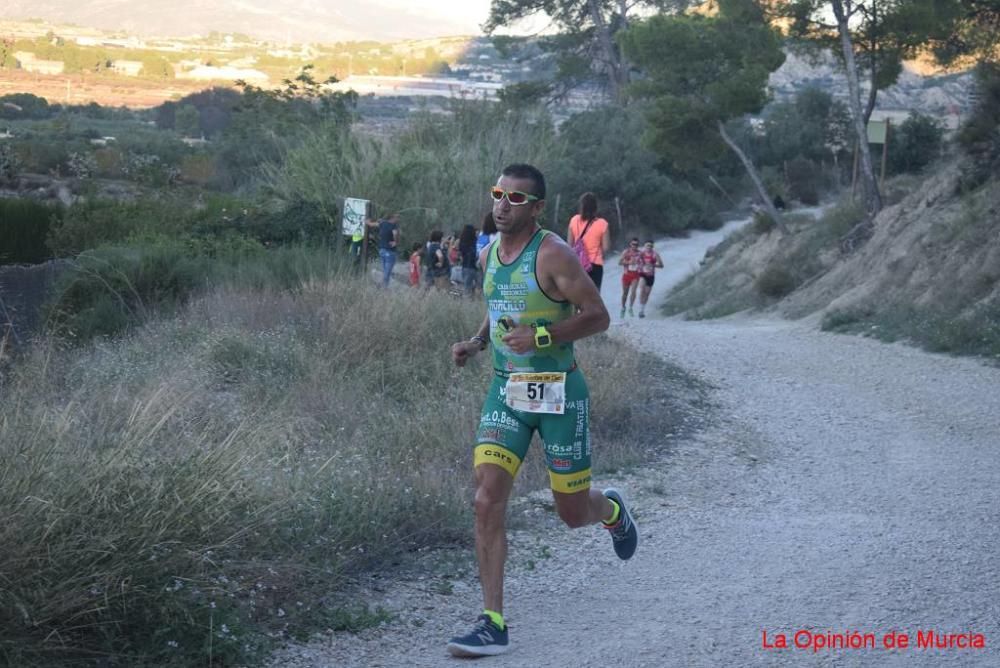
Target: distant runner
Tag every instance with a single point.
(631, 259)
(650, 261)
(539, 300)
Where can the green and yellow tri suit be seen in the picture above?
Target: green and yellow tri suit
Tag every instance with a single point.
(505, 433)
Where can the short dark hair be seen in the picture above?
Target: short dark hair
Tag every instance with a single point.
(437, 235)
(648, 241)
(524, 171)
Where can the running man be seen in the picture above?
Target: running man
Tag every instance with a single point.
(631, 259)
(539, 300)
(649, 262)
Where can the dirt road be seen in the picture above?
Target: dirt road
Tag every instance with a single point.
(847, 486)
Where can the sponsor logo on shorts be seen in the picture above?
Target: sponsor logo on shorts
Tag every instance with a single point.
(489, 435)
(578, 483)
(497, 454)
(562, 464)
(561, 450)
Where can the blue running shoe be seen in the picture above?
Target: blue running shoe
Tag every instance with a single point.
(624, 534)
(486, 639)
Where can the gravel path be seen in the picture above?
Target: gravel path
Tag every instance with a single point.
(847, 485)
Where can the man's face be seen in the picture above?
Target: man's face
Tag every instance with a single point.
(648, 246)
(511, 219)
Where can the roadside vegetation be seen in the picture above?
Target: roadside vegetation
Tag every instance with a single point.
(927, 276)
(208, 482)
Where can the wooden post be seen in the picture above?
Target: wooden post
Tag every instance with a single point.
(885, 150)
(854, 170)
(618, 210)
(364, 240)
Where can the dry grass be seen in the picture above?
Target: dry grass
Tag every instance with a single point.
(166, 497)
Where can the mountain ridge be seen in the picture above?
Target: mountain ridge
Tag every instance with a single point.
(274, 20)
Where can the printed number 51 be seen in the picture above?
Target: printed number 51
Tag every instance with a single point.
(536, 391)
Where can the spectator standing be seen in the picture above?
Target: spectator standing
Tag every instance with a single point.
(467, 249)
(487, 234)
(436, 273)
(388, 243)
(415, 265)
(593, 233)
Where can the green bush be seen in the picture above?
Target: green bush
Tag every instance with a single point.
(980, 135)
(805, 181)
(915, 144)
(110, 289)
(24, 227)
(775, 281)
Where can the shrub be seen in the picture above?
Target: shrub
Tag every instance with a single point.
(113, 288)
(915, 144)
(805, 181)
(775, 281)
(980, 135)
(24, 227)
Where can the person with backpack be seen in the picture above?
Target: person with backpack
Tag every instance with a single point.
(590, 237)
(436, 260)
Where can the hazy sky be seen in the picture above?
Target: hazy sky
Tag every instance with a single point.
(465, 16)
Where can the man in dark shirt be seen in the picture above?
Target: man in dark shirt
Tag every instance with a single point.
(388, 242)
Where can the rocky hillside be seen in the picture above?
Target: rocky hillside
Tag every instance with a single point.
(918, 88)
(930, 273)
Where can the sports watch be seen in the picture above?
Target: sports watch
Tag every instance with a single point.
(542, 337)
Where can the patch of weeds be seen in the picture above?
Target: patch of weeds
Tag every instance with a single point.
(843, 320)
(358, 618)
(544, 552)
(775, 282)
(443, 588)
(763, 224)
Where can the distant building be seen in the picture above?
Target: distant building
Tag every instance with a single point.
(130, 68)
(211, 73)
(416, 86)
(29, 63)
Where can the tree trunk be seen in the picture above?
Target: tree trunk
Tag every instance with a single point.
(608, 47)
(873, 199)
(758, 184)
(872, 95)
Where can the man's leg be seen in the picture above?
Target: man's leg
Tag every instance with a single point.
(493, 485)
(583, 508)
(388, 262)
(566, 440)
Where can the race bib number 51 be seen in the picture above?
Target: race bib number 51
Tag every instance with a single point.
(537, 392)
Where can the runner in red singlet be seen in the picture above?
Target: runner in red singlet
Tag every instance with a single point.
(631, 259)
(649, 261)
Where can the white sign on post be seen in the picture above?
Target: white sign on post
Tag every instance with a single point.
(355, 211)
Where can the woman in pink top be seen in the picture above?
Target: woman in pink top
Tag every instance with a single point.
(593, 231)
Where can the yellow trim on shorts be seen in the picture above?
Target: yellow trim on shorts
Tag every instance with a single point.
(491, 453)
(569, 483)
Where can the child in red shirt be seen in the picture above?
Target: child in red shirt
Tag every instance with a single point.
(415, 265)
